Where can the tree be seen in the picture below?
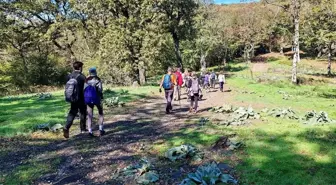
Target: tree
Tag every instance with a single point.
(178, 20)
(293, 7)
(251, 22)
(320, 27)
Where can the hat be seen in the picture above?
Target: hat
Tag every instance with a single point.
(93, 71)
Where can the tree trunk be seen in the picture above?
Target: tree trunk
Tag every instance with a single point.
(252, 50)
(296, 58)
(319, 50)
(142, 73)
(329, 60)
(281, 50)
(247, 53)
(177, 48)
(203, 63)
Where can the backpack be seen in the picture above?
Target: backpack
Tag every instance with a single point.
(167, 82)
(206, 79)
(71, 90)
(91, 96)
(213, 75)
(194, 85)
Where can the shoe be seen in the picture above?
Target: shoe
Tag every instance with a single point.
(91, 134)
(83, 131)
(66, 133)
(191, 110)
(102, 132)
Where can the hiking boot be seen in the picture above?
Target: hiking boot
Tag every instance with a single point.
(102, 132)
(91, 134)
(66, 133)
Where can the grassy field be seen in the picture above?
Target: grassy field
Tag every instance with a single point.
(20, 115)
(276, 151)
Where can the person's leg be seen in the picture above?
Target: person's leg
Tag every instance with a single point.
(101, 119)
(90, 118)
(179, 92)
(170, 99)
(196, 102)
(167, 97)
(192, 99)
(71, 116)
(175, 94)
(221, 86)
(82, 111)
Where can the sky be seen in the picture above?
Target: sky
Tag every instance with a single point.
(227, 1)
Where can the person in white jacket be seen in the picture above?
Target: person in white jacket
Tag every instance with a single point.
(221, 80)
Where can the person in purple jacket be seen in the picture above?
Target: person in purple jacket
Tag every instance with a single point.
(207, 81)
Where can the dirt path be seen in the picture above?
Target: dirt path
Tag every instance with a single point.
(130, 133)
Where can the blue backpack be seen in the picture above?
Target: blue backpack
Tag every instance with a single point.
(167, 82)
(91, 96)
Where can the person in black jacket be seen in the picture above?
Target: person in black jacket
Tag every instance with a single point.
(80, 104)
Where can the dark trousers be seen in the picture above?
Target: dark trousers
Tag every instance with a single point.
(221, 84)
(194, 101)
(73, 112)
(213, 83)
(169, 97)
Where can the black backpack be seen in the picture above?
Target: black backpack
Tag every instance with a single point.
(71, 89)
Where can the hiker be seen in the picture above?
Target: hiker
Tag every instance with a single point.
(93, 95)
(179, 81)
(221, 80)
(206, 84)
(213, 78)
(194, 92)
(167, 83)
(74, 94)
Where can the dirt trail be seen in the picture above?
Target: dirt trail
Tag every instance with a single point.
(86, 160)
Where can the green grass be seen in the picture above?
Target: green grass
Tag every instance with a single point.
(277, 151)
(32, 169)
(21, 114)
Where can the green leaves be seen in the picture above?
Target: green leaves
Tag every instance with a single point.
(208, 174)
(313, 117)
(142, 172)
(147, 178)
(113, 102)
(183, 152)
(282, 113)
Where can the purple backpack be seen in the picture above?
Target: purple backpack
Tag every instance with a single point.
(91, 96)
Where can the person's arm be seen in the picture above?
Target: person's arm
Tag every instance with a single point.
(161, 84)
(100, 88)
(224, 78)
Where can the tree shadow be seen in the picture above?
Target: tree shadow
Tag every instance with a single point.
(274, 159)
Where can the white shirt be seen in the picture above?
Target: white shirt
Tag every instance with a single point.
(221, 78)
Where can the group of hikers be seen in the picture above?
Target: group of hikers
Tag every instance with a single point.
(175, 80)
(85, 93)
